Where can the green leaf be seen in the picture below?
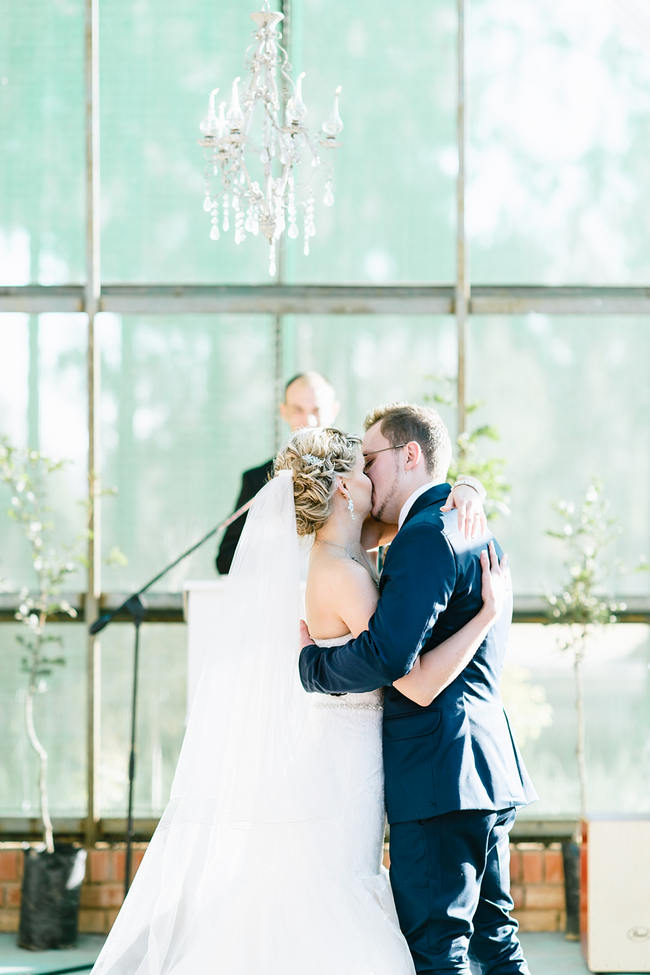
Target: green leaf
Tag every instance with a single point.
(51, 638)
(487, 431)
(116, 557)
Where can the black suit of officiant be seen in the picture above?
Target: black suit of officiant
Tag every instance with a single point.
(251, 482)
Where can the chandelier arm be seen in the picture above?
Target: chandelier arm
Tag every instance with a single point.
(249, 182)
(273, 88)
(284, 65)
(283, 179)
(314, 151)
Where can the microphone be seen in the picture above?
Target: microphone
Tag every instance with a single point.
(100, 623)
(133, 604)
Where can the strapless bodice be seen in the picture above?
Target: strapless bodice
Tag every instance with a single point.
(335, 641)
(370, 701)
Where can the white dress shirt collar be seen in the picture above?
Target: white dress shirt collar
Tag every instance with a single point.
(410, 501)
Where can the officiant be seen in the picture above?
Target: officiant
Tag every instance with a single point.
(309, 401)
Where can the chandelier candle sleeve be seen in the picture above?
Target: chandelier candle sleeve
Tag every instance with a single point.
(261, 159)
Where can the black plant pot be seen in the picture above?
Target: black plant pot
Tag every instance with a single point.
(571, 863)
(49, 909)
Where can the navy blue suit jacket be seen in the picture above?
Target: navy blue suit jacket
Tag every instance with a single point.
(459, 752)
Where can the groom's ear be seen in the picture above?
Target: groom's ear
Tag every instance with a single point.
(413, 454)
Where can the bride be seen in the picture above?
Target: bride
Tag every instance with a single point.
(267, 859)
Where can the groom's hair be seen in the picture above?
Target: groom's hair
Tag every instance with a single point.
(402, 422)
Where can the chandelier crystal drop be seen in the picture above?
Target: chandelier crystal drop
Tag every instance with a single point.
(261, 160)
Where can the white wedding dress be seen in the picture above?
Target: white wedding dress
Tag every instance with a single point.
(267, 860)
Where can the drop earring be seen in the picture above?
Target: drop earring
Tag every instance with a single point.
(351, 507)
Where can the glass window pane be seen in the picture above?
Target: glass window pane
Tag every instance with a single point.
(43, 406)
(571, 400)
(559, 135)
(60, 722)
(372, 360)
(394, 214)
(539, 693)
(160, 717)
(154, 228)
(395, 225)
(187, 405)
(42, 133)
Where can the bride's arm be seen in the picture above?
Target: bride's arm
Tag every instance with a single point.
(435, 670)
(375, 533)
(467, 496)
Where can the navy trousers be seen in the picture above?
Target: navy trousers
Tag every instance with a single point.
(451, 882)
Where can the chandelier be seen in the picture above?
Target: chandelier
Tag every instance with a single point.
(261, 160)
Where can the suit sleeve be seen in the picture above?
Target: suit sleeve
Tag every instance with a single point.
(232, 534)
(419, 578)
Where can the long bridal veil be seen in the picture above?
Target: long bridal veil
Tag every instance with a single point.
(247, 797)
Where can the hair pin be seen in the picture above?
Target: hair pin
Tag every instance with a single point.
(313, 459)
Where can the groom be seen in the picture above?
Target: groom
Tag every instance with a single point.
(453, 775)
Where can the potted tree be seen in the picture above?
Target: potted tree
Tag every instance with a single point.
(53, 873)
(581, 606)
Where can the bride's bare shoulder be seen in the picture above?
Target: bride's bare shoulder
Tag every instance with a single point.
(334, 571)
(339, 590)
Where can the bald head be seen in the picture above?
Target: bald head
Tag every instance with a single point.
(309, 401)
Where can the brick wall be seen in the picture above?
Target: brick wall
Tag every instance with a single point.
(103, 889)
(536, 873)
(537, 885)
(101, 894)
(11, 872)
(537, 879)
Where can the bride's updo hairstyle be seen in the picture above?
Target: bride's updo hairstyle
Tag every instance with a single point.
(316, 456)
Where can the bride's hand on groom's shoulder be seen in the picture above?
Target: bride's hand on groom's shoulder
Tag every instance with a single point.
(472, 522)
(496, 582)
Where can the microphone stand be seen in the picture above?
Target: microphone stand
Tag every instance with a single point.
(136, 609)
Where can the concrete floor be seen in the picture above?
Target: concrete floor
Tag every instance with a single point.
(18, 961)
(552, 954)
(547, 954)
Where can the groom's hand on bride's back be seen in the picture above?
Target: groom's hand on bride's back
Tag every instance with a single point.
(307, 640)
(472, 522)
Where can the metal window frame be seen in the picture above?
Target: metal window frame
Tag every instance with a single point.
(320, 299)
(459, 299)
(113, 828)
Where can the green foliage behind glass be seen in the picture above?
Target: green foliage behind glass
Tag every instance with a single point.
(470, 456)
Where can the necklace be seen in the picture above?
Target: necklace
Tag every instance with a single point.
(363, 562)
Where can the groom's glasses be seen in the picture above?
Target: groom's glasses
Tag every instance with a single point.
(371, 454)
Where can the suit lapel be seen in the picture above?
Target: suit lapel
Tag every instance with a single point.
(434, 495)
